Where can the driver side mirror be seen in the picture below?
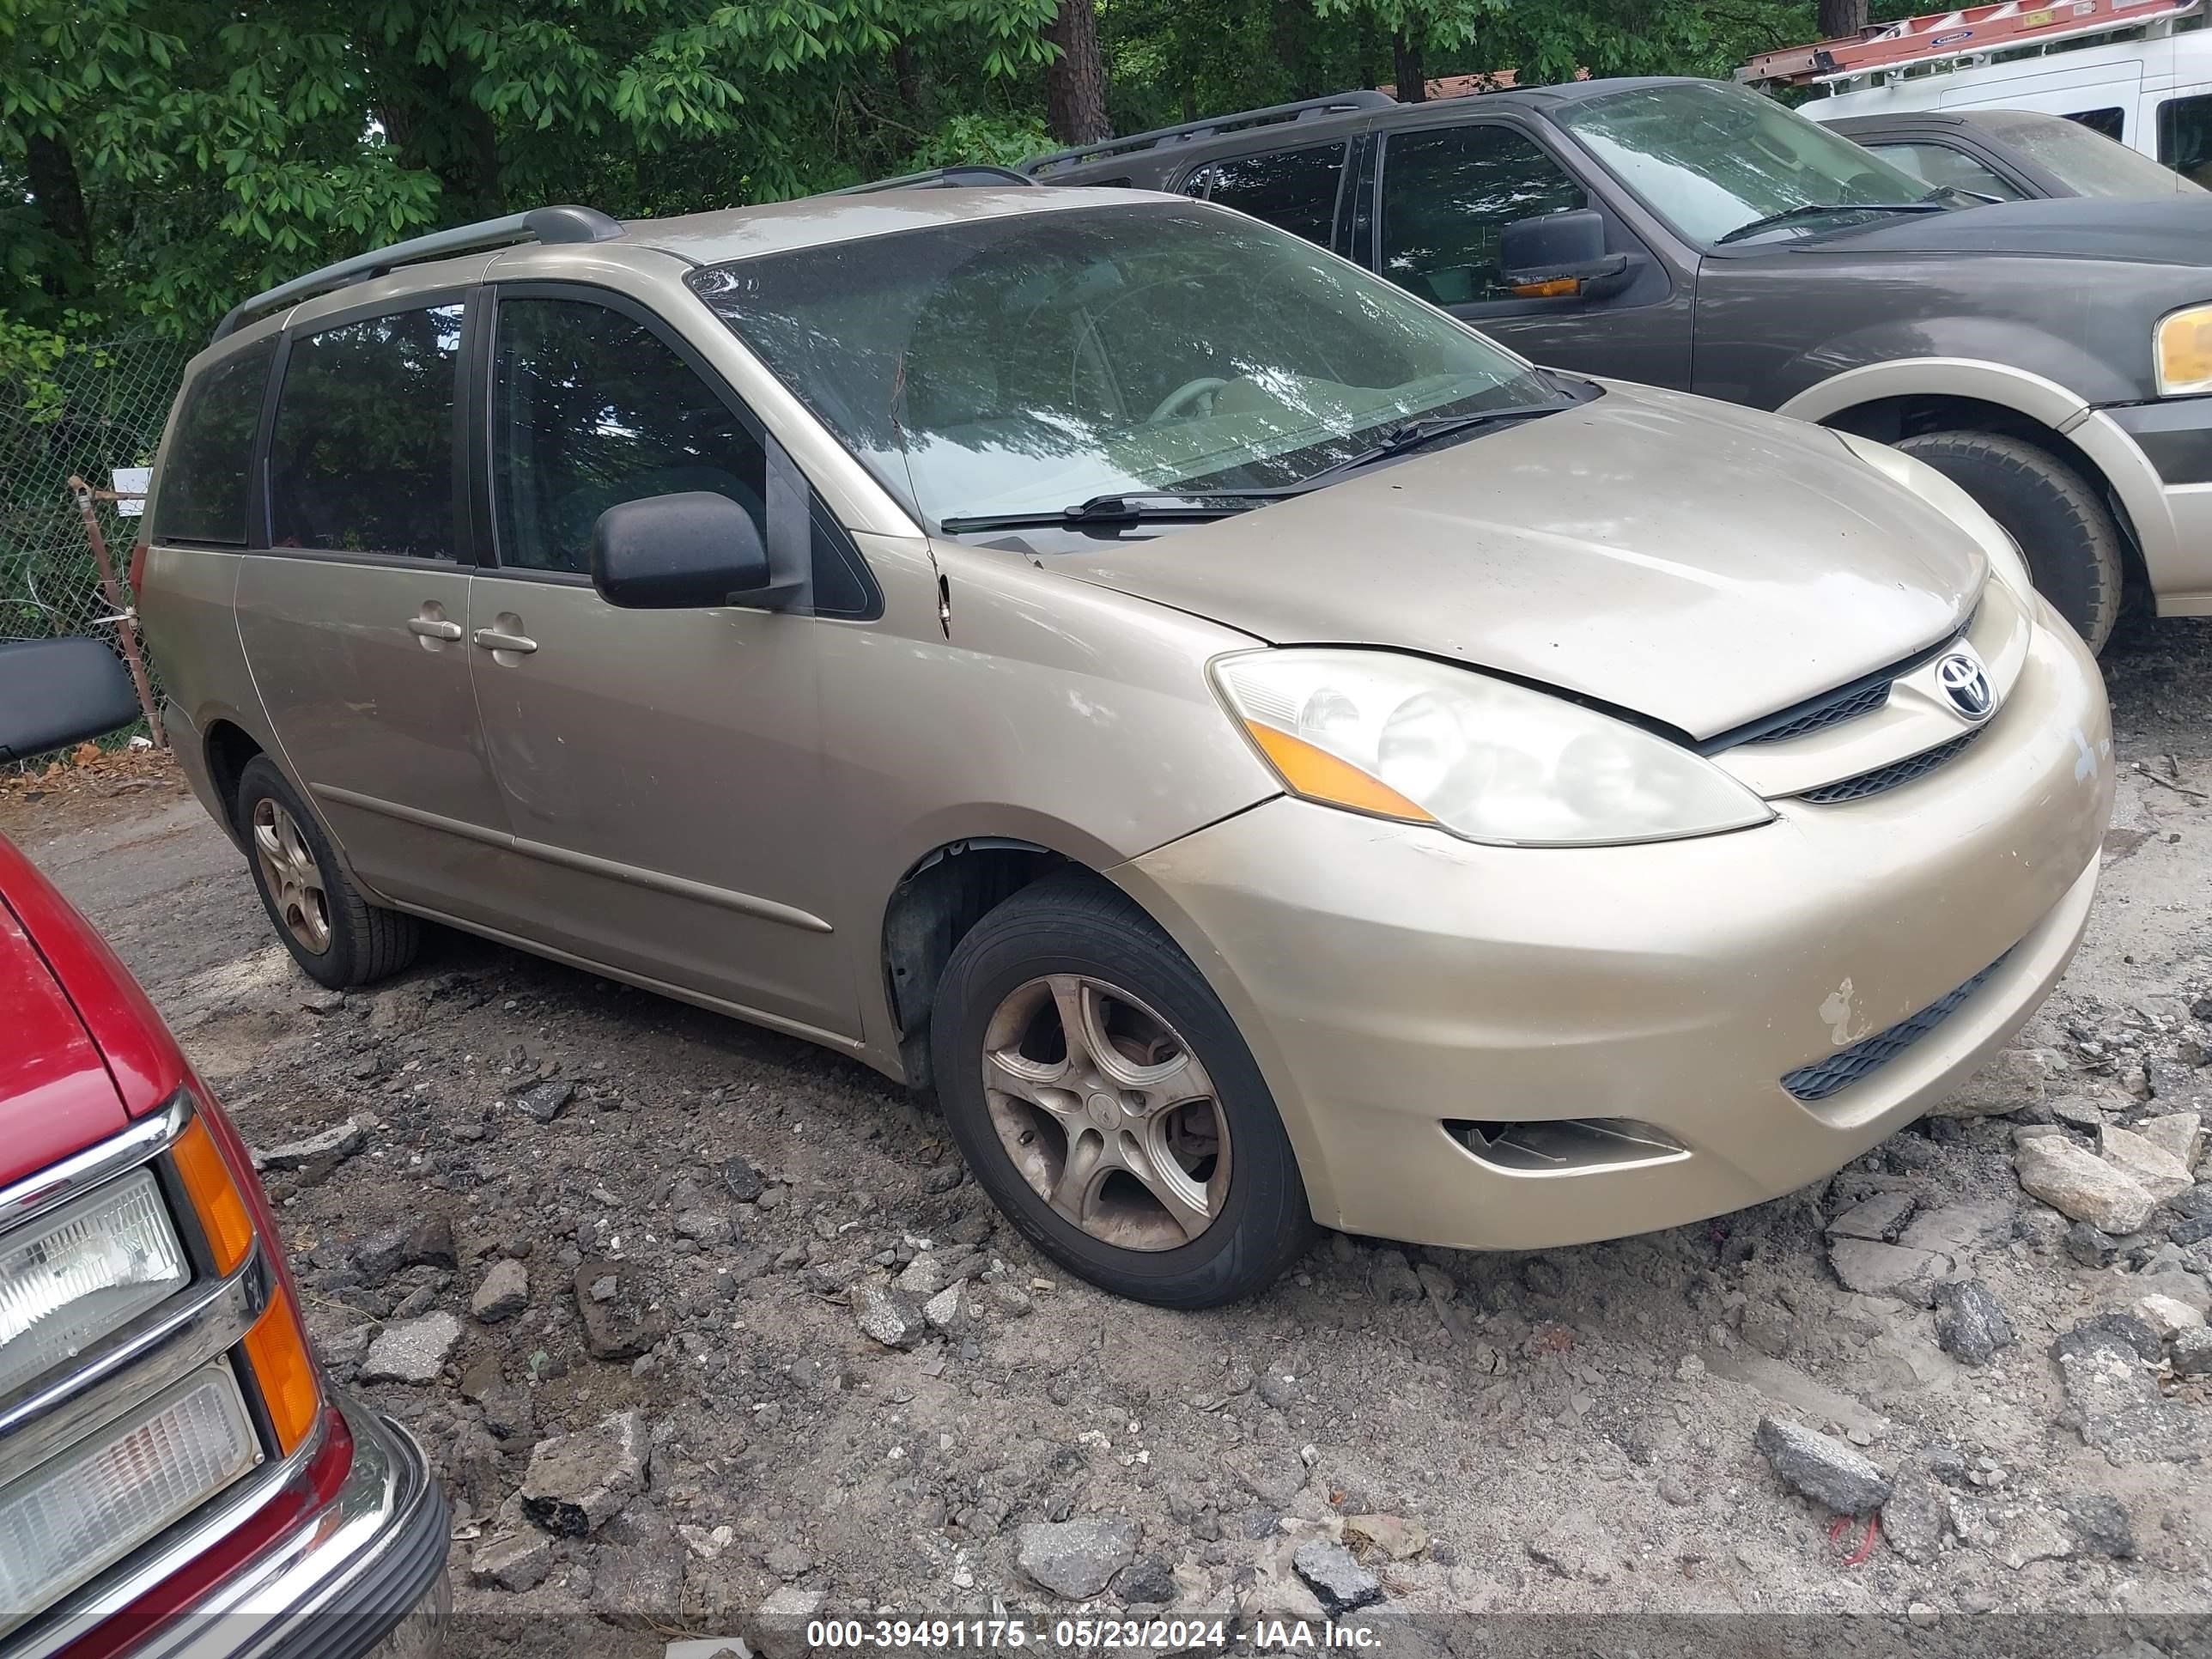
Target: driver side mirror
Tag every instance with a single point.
(1557, 256)
(690, 550)
(54, 693)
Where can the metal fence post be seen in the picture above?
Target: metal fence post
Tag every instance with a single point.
(124, 618)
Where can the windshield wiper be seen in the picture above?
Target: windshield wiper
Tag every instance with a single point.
(1404, 435)
(1816, 209)
(1124, 507)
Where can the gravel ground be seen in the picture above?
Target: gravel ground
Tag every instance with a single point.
(624, 1267)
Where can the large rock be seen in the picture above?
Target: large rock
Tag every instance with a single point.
(777, 1628)
(578, 1482)
(887, 1316)
(504, 1293)
(1335, 1576)
(513, 1554)
(2192, 1353)
(1876, 1269)
(546, 1101)
(1879, 1217)
(1912, 1516)
(2152, 1167)
(1824, 1468)
(2178, 1134)
(2166, 1314)
(619, 1320)
(1076, 1559)
(413, 1351)
(317, 1155)
(2080, 1186)
(2010, 1080)
(2112, 1398)
(1970, 1322)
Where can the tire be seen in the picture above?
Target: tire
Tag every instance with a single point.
(2073, 547)
(301, 884)
(1077, 931)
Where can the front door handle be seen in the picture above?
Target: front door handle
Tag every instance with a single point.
(498, 639)
(433, 627)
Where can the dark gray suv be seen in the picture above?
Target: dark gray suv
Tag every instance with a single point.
(2052, 358)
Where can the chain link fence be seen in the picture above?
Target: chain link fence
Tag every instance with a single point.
(100, 407)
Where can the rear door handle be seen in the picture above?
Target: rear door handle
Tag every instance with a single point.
(496, 639)
(431, 629)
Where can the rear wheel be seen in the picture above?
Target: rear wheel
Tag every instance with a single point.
(2068, 535)
(1102, 1097)
(336, 936)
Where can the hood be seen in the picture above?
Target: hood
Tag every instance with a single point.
(55, 1095)
(1700, 564)
(2175, 230)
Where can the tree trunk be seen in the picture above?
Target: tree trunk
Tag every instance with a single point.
(1075, 82)
(1413, 68)
(910, 83)
(54, 186)
(1842, 17)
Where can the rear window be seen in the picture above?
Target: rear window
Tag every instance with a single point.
(361, 459)
(202, 494)
(1295, 189)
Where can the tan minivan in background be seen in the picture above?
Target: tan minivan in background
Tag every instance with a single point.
(1259, 752)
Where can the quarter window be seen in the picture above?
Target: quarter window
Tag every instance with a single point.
(591, 409)
(361, 459)
(2110, 120)
(2185, 137)
(202, 492)
(1942, 167)
(1293, 188)
(1448, 196)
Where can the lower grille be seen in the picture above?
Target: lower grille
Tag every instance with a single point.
(1883, 778)
(1869, 1055)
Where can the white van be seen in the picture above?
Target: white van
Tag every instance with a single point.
(2139, 72)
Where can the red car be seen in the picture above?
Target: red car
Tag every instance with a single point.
(176, 1477)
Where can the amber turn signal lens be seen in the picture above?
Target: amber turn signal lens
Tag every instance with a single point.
(1552, 287)
(1319, 775)
(215, 1197)
(278, 1354)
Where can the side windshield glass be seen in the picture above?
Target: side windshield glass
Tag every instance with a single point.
(1031, 360)
(1711, 159)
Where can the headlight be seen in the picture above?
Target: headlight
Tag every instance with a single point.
(82, 1272)
(1997, 545)
(2184, 352)
(1404, 738)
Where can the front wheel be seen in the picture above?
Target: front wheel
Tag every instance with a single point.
(335, 935)
(2071, 543)
(1102, 1097)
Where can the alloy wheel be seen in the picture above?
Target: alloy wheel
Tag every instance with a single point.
(1106, 1112)
(288, 871)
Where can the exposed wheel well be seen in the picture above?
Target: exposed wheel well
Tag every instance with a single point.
(228, 750)
(931, 909)
(1885, 420)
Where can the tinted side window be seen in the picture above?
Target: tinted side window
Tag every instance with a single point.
(1448, 194)
(2184, 137)
(203, 491)
(2108, 120)
(1942, 166)
(361, 459)
(1293, 188)
(590, 408)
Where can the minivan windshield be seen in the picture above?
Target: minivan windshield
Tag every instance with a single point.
(1024, 363)
(1715, 160)
(2083, 158)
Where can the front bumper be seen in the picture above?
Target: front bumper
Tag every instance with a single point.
(1390, 978)
(363, 1577)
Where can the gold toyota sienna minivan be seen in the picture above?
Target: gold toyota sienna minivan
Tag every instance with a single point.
(1258, 751)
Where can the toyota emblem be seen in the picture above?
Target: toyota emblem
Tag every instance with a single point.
(1966, 686)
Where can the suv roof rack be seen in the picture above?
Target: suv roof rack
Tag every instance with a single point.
(1963, 36)
(545, 224)
(958, 174)
(1305, 109)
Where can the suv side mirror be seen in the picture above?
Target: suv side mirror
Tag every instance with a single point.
(1557, 256)
(54, 693)
(685, 551)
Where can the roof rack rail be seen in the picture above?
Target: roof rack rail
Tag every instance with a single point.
(1305, 109)
(958, 174)
(545, 224)
(1958, 36)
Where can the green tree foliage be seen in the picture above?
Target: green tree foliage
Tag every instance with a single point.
(160, 161)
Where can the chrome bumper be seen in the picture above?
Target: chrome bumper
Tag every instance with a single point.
(364, 1577)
